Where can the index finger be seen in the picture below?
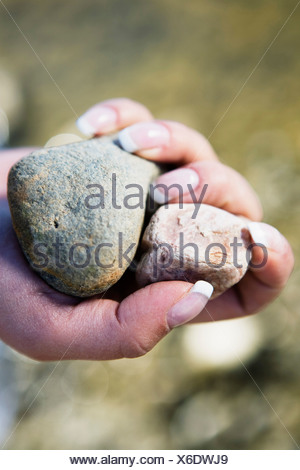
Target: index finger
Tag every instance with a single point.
(166, 142)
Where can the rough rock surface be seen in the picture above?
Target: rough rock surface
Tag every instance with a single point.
(57, 221)
(180, 247)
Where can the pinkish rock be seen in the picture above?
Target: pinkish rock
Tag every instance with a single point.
(211, 247)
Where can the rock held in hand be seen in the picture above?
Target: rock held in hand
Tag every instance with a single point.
(210, 247)
(78, 212)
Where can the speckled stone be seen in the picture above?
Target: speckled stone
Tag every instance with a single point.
(181, 247)
(59, 226)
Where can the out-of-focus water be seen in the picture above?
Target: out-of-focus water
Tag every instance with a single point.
(221, 68)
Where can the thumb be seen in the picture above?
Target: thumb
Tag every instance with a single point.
(102, 329)
(150, 313)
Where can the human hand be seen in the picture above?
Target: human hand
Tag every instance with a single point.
(47, 325)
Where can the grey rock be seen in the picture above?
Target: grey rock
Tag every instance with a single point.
(63, 223)
(181, 247)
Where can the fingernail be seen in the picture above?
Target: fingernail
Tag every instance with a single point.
(191, 305)
(266, 235)
(97, 119)
(144, 135)
(161, 191)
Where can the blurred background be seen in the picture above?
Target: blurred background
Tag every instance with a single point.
(232, 385)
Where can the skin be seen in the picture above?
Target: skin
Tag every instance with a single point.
(46, 325)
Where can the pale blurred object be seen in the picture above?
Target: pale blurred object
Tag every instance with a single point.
(69, 127)
(4, 129)
(62, 139)
(11, 106)
(222, 345)
(8, 394)
(199, 419)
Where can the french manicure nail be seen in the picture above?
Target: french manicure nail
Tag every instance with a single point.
(97, 119)
(191, 305)
(179, 179)
(266, 235)
(144, 135)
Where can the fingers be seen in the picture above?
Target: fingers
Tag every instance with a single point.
(172, 142)
(164, 141)
(112, 115)
(7, 159)
(209, 182)
(270, 268)
(167, 142)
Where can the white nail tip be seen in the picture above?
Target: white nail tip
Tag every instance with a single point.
(257, 233)
(159, 196)
(84, 126)
(204, 288)
(126, 141)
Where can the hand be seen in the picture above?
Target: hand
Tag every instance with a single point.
(47, 325)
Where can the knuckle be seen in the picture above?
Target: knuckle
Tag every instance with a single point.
(130, 103)
(136, 347)
(127, 101)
